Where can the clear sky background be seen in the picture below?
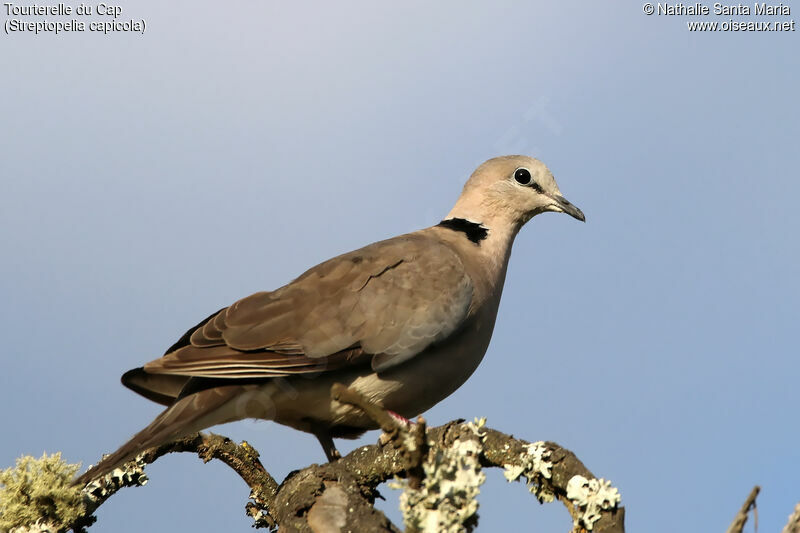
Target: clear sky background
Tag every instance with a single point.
(147, 180)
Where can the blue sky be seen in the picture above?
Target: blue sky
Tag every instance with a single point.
(148, 180)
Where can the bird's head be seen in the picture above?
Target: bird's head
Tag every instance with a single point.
(512, 189)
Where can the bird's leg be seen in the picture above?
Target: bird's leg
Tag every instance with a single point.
(328, 446)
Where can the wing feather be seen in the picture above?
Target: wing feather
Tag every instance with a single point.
(384, 303)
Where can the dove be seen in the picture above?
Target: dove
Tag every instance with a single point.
(404, 322)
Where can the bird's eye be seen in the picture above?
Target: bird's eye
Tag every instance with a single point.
(523, 176)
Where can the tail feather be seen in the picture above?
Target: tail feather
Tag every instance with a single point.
(184, 417)
(160, 388)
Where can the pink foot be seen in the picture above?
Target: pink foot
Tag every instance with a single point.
(385, 438)
(403, 420)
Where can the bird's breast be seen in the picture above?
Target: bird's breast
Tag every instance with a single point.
(431, 376)
(409, 389)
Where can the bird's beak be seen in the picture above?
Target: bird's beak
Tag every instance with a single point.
(566, 207)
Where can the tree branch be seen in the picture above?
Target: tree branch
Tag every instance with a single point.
(340, 495)
(504, 451)
(737, 526)
(793, 525)
(242, 458)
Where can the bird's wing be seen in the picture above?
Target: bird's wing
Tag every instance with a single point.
(386, 302)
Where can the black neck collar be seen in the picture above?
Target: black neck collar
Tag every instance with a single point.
(474, 231)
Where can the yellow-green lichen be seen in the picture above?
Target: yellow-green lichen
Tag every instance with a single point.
(36, 495)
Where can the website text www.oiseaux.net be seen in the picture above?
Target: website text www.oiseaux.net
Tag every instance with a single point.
(741, 25)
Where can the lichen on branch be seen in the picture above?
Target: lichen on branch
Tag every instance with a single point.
(36, 495)
(447, 498)
(442, 468)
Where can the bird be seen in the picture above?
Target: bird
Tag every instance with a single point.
(403, 321)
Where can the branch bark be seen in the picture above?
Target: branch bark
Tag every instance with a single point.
(339, 496)
(737, 526)
(793, 525)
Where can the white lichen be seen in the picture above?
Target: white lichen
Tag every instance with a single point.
(257, 510)
(534, 465)
(128, 475)
(447, 500)
(478, 427)
(590, 497)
